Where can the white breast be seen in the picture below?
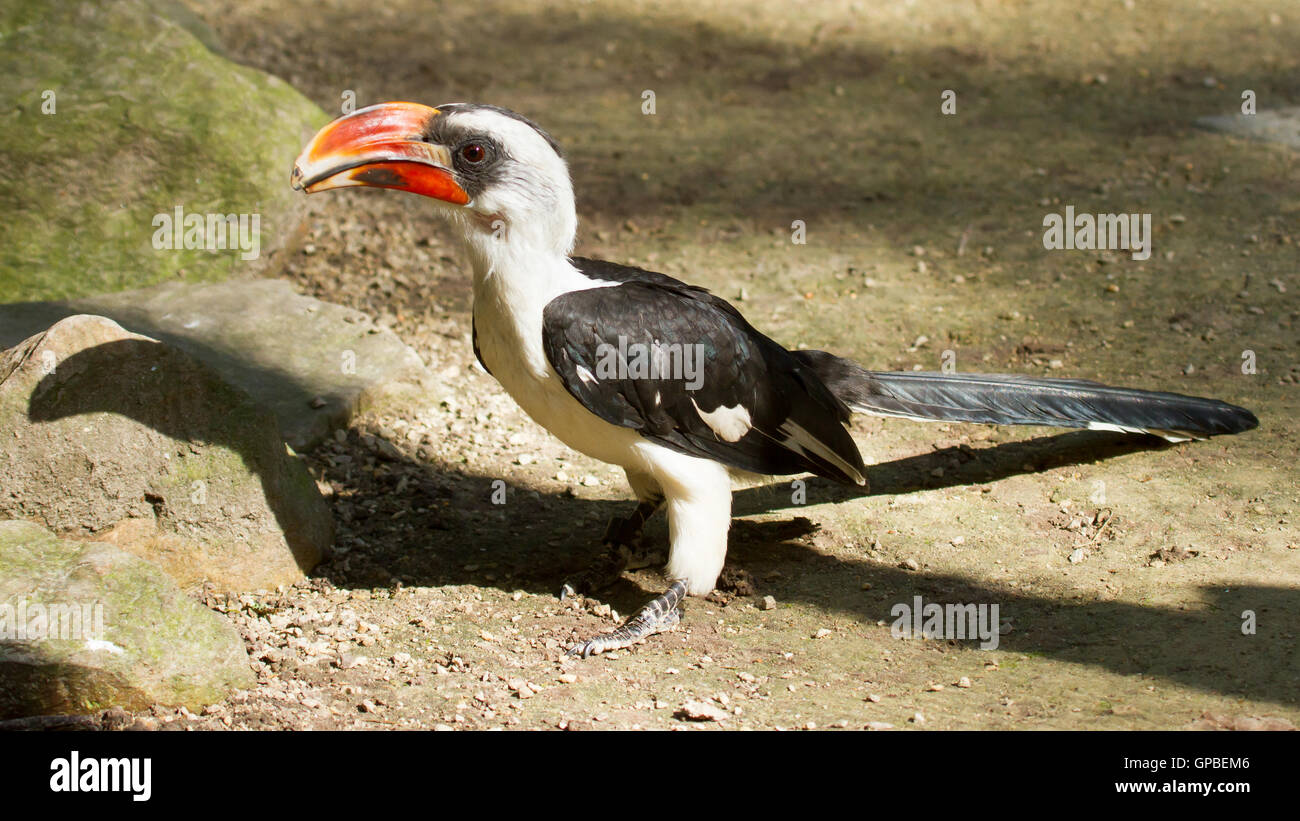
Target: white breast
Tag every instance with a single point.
(508, 324)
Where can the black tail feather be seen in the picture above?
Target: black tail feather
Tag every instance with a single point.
(1004, 399)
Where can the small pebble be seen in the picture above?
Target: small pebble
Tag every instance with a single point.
(701, 711)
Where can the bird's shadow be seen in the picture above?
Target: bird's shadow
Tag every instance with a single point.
(537, 541)
(957, 466)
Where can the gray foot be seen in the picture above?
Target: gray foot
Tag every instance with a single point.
(660, 615)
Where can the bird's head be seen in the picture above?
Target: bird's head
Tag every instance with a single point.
(497, 175)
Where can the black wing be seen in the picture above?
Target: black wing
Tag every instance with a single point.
(686, 370)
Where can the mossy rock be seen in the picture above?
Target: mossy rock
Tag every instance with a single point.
(112, 630)
(114, 113)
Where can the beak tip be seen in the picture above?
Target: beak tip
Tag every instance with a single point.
(295, 178)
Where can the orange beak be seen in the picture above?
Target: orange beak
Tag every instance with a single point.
(381, 146)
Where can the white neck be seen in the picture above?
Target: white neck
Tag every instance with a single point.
(514, 281)
(524, 218)
(511, 250)
(523, 262)
(517, 273)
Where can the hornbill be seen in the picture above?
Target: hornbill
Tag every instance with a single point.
(570, 340)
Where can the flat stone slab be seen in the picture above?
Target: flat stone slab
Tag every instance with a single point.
(1281, 125)
(311, 363)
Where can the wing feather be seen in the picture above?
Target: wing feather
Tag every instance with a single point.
(685, 369)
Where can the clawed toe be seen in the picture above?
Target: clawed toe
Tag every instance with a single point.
(660, 615)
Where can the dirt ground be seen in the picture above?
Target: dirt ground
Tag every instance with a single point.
(1121, 567)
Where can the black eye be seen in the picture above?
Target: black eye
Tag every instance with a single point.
(473, 153)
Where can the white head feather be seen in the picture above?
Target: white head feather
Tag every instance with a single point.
(529, 207)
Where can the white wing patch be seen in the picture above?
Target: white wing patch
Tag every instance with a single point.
(730, 424)
(586, 375)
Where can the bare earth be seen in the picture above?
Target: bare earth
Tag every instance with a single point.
(441, 610)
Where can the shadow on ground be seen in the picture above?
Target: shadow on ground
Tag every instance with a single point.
(453, 535)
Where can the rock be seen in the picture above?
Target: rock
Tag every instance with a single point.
(284, 349)
(116, 115)
(116, 435)
(702, 711)
(1166, 555)
(124, 636)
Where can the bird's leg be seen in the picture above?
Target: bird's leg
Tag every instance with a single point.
(660, 615)
(623, 551)
(624, 536)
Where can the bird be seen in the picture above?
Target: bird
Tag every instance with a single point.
(661, 378)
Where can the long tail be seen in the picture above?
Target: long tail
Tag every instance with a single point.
(1024, 400)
